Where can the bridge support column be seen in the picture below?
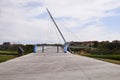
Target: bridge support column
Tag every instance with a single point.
(57, 49)
(42, 48)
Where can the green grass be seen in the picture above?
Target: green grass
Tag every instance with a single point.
(109, 58)
(8, 53)
(111, 61)
(6, 57)
(113, 57)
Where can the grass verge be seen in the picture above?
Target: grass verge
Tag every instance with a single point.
(8, 53)
(111, 61)
(6, 57)
(108, 58)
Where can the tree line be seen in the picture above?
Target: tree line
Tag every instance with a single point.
(7, 46)
(106, 47)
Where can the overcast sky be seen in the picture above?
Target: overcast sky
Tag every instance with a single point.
(27, 21)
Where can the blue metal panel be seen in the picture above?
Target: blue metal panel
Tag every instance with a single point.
(35, 48)
(65, 48)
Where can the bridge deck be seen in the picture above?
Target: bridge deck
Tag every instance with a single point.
(57, 66)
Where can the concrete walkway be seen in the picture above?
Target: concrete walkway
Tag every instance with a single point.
(57, 66)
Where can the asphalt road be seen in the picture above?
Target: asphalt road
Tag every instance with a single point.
(57, 66)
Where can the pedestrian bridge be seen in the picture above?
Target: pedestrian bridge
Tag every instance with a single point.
(51, 65)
